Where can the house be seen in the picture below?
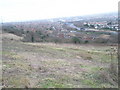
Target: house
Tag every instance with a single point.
(72, 31)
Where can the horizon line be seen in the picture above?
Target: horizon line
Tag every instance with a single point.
(31, 20)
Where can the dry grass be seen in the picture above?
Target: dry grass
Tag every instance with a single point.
(45, 65)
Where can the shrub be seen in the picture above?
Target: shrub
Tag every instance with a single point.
(75, 40)
(86, 41)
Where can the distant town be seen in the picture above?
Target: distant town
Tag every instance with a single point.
(100, 28)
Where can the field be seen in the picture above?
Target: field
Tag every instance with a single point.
(50, 65)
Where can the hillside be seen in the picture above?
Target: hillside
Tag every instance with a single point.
(51, 65)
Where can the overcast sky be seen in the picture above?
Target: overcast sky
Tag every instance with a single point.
(21, 10)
